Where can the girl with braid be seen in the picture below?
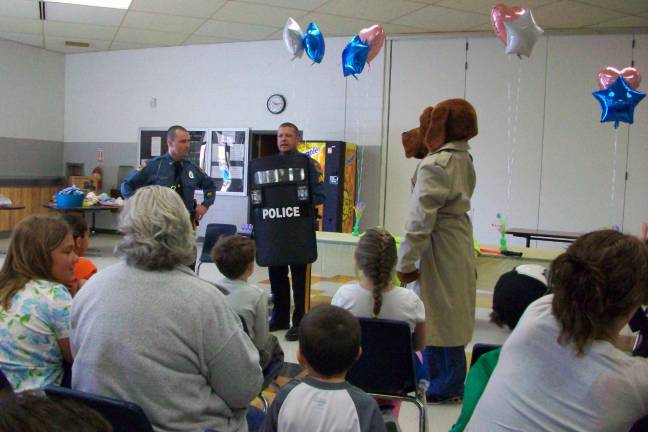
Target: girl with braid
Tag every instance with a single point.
(374, 296)
(560, 370)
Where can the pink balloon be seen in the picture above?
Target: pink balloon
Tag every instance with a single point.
(374, 37)
(502, 13)
(608, 75)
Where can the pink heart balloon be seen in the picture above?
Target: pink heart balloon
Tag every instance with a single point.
(609, 74)
(502, 13)
(374, 37)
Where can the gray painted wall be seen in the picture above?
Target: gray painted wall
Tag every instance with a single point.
(28, 158)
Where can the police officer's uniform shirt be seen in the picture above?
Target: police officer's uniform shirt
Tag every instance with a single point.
(162, 171)
(316, 406)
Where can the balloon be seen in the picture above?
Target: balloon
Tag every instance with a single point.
(354, 57)
(521, 34)
(293, 37)
(608, 75)
(373, 36)
(618, 102)
(501, 14)
(314, 43)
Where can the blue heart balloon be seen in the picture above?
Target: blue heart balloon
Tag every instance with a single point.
(314, 43)
(618, 102)
(354, 57)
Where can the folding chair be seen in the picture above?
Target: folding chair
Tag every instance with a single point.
(123, 416)
(480, 349)
(386, 367)
(213, 232)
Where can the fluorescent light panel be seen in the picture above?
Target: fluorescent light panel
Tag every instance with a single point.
(114, 4)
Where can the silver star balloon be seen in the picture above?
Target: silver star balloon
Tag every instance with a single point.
(521, 34)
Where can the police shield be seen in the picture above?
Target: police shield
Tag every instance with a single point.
(282, 210)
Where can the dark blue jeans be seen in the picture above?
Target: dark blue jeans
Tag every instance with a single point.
(447, 369)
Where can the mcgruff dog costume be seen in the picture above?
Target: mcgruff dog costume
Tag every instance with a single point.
(439, 233)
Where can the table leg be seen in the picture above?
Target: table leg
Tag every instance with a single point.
(528, 242)
(93, 230)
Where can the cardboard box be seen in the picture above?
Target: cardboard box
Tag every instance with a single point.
(85, 183)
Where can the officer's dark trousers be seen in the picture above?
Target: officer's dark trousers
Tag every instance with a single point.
(280, 286)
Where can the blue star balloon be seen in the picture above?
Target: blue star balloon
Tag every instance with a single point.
(314, 43)
(354, 57)
(618, 102)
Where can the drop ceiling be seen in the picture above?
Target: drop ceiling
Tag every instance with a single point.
(157, 23)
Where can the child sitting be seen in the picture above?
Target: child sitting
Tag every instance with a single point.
(375, 296)
(84, 268)
(234, 257)
(329, 344)
(514, 291)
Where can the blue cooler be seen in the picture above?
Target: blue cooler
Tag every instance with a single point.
(69, 201)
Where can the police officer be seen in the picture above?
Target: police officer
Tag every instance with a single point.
(287, 140)
(174, 171)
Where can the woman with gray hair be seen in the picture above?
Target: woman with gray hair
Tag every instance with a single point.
(148, 330)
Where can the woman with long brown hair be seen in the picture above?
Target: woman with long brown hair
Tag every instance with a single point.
(35, 304)
(559, 369)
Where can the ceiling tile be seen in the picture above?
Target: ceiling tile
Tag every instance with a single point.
(150, 37)
(61, 29)
(118, 45)
(627, 21)
(485, 6)
(19, 8)
(200, 40)
(377, 10)
(393, 29)
(24, 38)
(487, 26)
(439, 19)
(246, 32)
(256, 14)
(84, 14)
(332, 25)
(626, 6)
(569, 14)
(306, 5)
(161, 22)
(53, 43)
(276, 35)
(21, 25)
(191, 8)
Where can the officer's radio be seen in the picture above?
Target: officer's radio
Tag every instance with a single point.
(282, 210)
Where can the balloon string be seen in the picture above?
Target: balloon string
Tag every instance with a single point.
(513, 120)
(613, 190)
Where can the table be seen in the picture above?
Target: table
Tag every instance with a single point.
(12, 207)
(92, 210)
(546, 235)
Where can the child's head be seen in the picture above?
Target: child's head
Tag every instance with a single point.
(329, 340)
(597, 284)
(41, 247)
(234, 256)
(80, 232)
(376, 258)
(514, 291)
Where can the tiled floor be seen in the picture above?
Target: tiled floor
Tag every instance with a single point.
(440, 417)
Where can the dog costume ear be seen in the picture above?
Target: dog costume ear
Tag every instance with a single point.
(435, 134)
(452, 120)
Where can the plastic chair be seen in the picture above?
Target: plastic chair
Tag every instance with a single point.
(213, 232)
(386, 367)
(123, 416)
(480, 349)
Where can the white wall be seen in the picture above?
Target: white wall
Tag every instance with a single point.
(31, 91)
(108, 95)
(538, 113)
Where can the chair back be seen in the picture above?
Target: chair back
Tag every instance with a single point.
(213, 232)
(479, 349)
(123, 416)
(386, 365)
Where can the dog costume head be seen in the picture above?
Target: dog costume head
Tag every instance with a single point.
(450, 120)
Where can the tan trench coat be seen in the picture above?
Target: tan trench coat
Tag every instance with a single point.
(439, 234)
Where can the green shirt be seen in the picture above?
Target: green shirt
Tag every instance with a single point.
(476, 381)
